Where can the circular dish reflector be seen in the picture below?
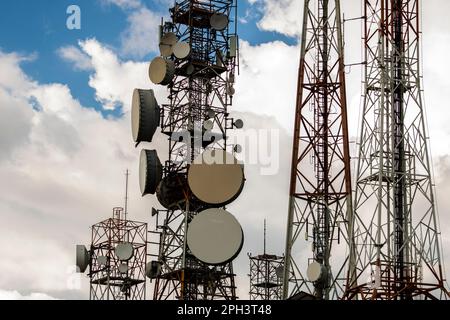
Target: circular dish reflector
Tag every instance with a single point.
(168, 40)
(102, 260)
(150, 171)
(123, 268)
(82, 258)
(219, 21)
(314, 271)
(182, 50)
(145, 115)
(239, 124)
(216, 177)
(208, 125)
(124, 251)
(161, 71)
(215, 237)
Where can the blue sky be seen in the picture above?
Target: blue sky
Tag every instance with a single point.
(38, 28)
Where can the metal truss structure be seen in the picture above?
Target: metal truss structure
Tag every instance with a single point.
(202, 91)
(265, 280)
(320, 189)
(396, 233)
(108, 281)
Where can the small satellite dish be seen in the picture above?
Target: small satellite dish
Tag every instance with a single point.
(168, 41)
(102, 260)
(123, 268)
(208, 125)
(215, 237)
(211, 113)
(237, 148)
(219, 21)
(145, 115)
(315, 271)
(216, 177)
(82, 258)
(280, 272)
(153, 269)
(230, 90)
(124, 251)
(182, 50)
(190, 69)
(150, 171)
(161, 71)
(238, 124)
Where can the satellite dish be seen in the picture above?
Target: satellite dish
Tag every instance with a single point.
(145, 115)
(150, 171)
(238, 124)
(82, 258)
(123, 268)
(161, 71)
(215, 237)
(280, 272)
(124, 251)
(230, 90)
(216, 177)
(168, 40)
(102, 260)
(211, 113)
(208, 125)
(315, 271)
(190, 69)
(153, 269)
(237, 148)
(219, 21)
(182, 50)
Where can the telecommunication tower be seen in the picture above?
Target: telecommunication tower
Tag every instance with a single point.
(396, 233)
(197, 239)
(266, 274)
(117, 257)
(320, 189)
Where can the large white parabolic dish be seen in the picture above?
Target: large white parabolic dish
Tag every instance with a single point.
(82, 258)
(168, 40)
(215, 237)
(145, 115)
(150, 171)
(216, 177)
(161, 71)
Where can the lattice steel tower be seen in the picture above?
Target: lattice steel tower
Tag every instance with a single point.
(396, 233)
(201, 66)
(266, 274)
(320, 189)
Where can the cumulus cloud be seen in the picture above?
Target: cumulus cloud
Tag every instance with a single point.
(62, 163)
(75, 56)
(124, 4)
(15, 295)
(141, 35)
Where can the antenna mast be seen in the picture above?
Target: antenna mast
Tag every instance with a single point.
(320, 189)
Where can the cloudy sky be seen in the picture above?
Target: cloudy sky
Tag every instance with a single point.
(65, 136)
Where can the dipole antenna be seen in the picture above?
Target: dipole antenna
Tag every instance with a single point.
(127, 174)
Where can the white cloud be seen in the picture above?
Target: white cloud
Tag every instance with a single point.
(75, 56)
(124, 4)
(141, 35)
(61, 163)
(15, 295)
(282, 16)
